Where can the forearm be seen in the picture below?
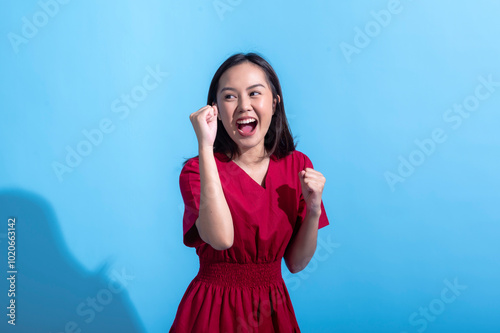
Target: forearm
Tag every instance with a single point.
(215, 224)
(302, 248)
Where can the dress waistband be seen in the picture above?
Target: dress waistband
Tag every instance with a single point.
(231, 274)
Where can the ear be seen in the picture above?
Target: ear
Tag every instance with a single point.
(218, 113)
(274, 103)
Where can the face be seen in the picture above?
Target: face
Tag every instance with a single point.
(244, 93)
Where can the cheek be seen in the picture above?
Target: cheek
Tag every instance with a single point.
(226, 122)
(268, 106)
(223, 115)
(264, 104)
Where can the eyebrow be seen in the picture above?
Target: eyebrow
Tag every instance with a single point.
(252, 86)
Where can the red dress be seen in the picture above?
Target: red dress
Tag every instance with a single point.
(241, 289)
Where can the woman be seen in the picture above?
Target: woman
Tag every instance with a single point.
(250, 200)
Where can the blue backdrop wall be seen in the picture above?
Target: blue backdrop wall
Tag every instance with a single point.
(395, 102)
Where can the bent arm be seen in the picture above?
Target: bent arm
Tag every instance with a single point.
(301, 249)
(214, 223)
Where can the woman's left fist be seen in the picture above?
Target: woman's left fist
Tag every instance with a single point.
(312, 183)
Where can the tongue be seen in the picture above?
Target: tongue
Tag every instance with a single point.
(247, 128)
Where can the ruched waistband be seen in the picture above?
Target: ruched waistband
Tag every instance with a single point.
(240, 275)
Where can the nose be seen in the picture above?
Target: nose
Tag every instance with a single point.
(244, 103)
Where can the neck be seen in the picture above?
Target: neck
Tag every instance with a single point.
(252, 156)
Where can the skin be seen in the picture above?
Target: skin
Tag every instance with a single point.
(235, 99)
(302, 247)
(258, 102)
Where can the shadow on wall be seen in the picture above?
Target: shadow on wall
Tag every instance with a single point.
(53, 293)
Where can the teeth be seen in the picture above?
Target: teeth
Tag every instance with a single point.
(247, 121)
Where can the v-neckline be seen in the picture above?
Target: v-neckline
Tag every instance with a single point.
(266, 176)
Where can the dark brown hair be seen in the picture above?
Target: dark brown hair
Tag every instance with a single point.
(278, 139)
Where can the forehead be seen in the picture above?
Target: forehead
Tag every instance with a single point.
(242, 76)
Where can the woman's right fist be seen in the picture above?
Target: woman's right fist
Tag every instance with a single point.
(204, 122)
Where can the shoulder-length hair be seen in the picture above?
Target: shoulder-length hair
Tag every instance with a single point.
(278, 139)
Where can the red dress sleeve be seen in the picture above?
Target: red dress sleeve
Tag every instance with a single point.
(323, 219)
(189, 183)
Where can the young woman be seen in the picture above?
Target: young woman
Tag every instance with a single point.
(250, 200)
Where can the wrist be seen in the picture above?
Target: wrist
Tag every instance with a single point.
(205, 149)
(313, 212)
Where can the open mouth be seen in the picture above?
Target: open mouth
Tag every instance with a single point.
(247, 129)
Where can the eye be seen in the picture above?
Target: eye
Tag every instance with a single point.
(255, 92)
(227, 96)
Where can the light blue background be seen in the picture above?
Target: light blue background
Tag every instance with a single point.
(355, 116)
